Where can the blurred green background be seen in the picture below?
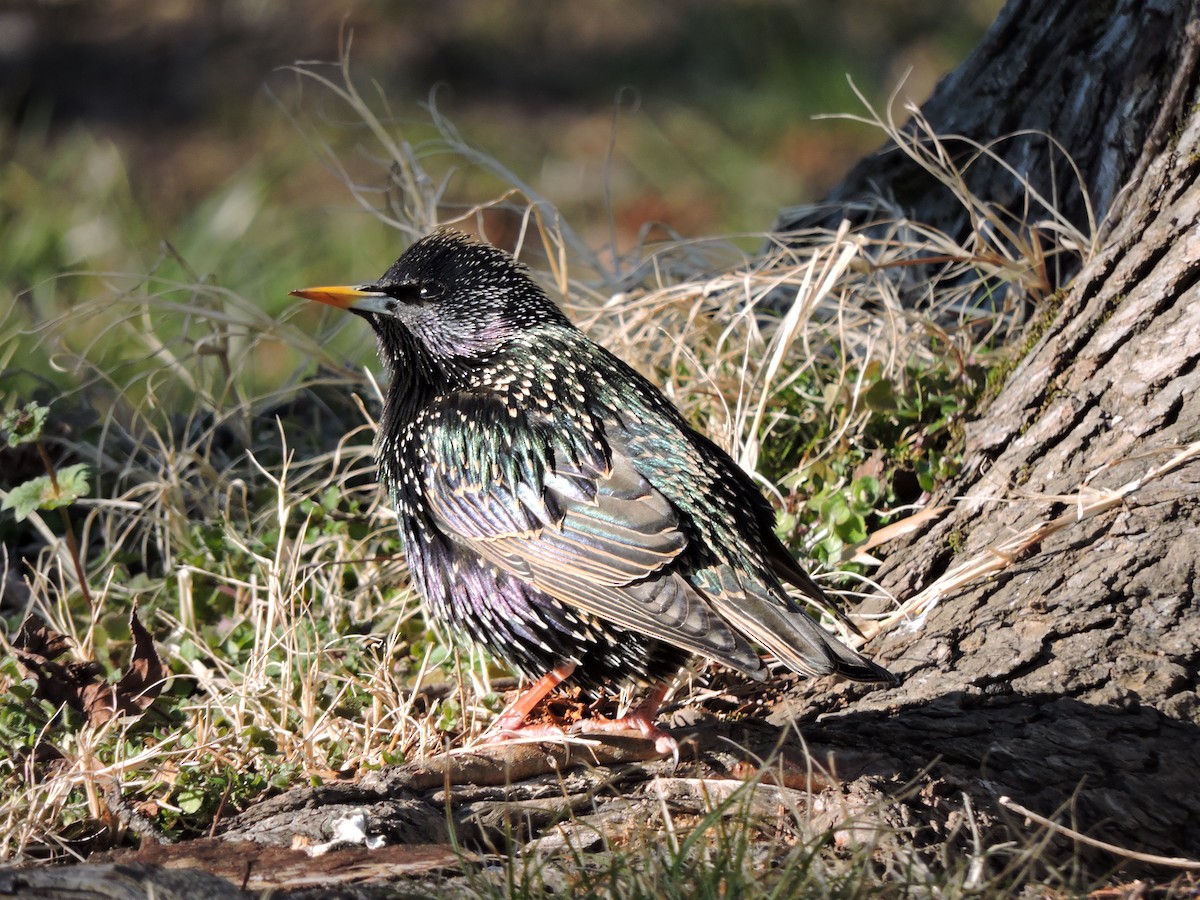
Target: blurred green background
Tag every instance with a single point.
(128, 123)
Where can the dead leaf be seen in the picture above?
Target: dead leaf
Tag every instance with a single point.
(871, 467)
(98, 702)
(37, 638)
(143, 681)
(81, 685)
(37, 645)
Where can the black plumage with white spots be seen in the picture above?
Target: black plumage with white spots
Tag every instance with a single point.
(554, 506)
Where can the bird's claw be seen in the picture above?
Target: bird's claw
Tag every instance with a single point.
(504, 731)
(664, 744)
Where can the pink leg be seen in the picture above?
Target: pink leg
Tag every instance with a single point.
(640, 719)
(513, 718)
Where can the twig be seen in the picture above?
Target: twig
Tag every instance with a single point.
(1177, 862)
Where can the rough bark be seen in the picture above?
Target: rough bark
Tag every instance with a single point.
(115, 881)
(1068, 680)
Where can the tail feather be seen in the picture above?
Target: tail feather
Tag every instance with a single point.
(789, 634)
(804, 646)
(785, 567)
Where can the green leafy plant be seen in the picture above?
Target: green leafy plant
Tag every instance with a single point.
(57, 489)
(60, 488)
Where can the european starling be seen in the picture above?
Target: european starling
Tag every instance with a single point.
(554, 505)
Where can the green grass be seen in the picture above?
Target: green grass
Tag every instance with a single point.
(227, 433)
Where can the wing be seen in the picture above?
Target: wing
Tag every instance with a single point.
(575, 519)
(742, 583)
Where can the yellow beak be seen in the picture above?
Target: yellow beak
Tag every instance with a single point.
(343, 297)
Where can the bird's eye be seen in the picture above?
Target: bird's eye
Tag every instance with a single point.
(429, 291)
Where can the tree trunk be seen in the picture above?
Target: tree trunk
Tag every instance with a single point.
(1068, 680)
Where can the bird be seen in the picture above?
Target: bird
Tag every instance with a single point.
(556, 508)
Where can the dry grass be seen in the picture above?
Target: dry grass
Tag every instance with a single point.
(270, 577)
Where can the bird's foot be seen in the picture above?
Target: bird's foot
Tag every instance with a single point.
(636, 722)
(641, 720)
(512, 722)
(509, 728)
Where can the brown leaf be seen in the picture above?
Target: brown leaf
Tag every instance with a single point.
(36, 638)
(81, 685)
(872, 466)
(136, 690)
(98, 702)
(36, 646)
(143, 680)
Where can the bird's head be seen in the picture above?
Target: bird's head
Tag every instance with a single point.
(450, 301)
